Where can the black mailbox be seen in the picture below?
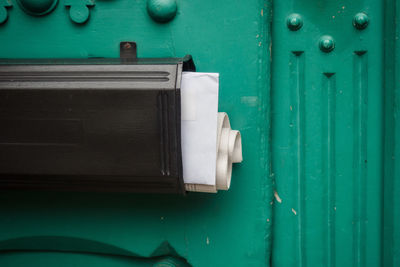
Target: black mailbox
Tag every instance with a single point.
(91, 125)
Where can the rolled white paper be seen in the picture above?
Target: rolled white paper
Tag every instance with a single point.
(209, 145)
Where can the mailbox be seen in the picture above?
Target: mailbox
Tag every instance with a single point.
(107, 125)
(95, 124)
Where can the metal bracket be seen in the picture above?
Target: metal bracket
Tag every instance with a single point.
(127, 50)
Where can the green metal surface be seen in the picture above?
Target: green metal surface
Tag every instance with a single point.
(61, 259)
(334, 126)
(391, 200)
(227, 229)
(335, 134)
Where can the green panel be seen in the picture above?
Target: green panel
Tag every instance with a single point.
(229, 228)
(61, 259)
(334, 137)
(391, 214)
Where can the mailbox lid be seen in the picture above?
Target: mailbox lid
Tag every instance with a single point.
(104, 126)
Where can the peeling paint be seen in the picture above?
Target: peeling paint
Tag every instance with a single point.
(294, 211)
(277, 197)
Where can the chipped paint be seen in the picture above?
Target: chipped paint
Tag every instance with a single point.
(277, 197)
(294, 211)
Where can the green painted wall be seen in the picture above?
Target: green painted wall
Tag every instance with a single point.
(229, 228)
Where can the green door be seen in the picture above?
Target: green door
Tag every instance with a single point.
(229, 228)
(333, 135)
(320, 180)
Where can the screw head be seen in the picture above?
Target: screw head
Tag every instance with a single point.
(127, 46)
(360, 21)
(294, 22)
(326, 43)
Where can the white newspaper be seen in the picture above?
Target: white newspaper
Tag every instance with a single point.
(199, 113)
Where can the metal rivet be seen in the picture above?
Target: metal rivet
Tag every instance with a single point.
(37, 8)
(294, 22)
(326, 43)
(361, 21)
(162, 10)
(3, 14)
(79, 14)
(79, 11)
(4, 11)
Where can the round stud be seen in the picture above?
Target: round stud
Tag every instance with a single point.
(37, 7)
(294, 22)
(3, 14)
(326, 43)
(162, 10)
(360, 21)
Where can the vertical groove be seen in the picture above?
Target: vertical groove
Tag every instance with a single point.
(166, 132)
(297, 70)
(360, 156)
(161, 125)
(328, 160)
(391, 31)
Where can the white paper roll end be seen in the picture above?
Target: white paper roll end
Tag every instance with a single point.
(229, 150)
